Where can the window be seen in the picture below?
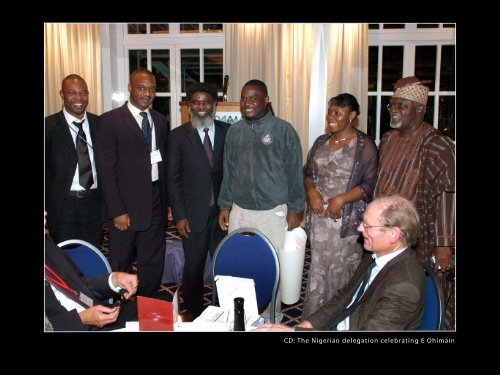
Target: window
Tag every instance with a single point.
(424, 50)
(164, 28)
(178, 55)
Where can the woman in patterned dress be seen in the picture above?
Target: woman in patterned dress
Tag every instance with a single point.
(339, 178)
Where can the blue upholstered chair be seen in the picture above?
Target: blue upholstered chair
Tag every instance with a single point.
(433, 305)
(89, 259)
(247, 253)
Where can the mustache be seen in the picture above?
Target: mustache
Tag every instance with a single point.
(202, 122)
(195, 112)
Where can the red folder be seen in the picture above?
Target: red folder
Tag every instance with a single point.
(155, 314)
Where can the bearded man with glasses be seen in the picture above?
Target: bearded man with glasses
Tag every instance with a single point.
(418, 162)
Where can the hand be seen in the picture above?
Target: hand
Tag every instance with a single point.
(270, 327)
(99, 315)
(122, 222)
(293, 219)
(334, 206)
(443, 258)
(224, 219)
(316, 201)
(183, 227)
(305, 324)
(125, 281)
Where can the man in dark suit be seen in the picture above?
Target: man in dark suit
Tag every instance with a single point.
(194, 182)
(74, 212)
(66, 314)
(130, 154)
(392, 297)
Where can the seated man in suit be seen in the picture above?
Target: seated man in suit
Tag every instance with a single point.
(75, 303)
(391, 296)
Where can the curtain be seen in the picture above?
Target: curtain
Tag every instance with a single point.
(280, 55)
(347, 70)
(72, 49)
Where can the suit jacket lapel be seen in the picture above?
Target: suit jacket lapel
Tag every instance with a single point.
(65, 135)
(92, 127)
(218, 144)
(195, 140)
(129, 121)
(383, 273)
(157, 129)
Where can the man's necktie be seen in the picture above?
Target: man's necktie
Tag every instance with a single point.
(344, 314)
(146, 128)
(82, 151)
(207, 145)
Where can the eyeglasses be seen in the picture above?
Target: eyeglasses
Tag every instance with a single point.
(366, 226)
(397, 106)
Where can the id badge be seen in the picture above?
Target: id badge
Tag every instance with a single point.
(85, 299)
(155, 156)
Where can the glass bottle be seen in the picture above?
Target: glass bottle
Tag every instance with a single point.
(239, 314)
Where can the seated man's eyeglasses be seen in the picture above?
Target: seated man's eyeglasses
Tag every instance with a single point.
(366, 226)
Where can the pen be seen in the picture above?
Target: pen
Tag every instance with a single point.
(218, 316)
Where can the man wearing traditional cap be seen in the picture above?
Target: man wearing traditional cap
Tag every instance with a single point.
(418, 162)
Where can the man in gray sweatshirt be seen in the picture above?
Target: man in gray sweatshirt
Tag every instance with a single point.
(262, 184)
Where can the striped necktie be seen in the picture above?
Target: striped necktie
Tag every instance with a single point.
(84, 166)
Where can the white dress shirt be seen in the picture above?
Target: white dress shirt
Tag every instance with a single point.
(211, 134)
(380, 262)
(73, 129)
(136, 113)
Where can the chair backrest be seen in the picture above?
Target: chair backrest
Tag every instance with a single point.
(246, 252)
(433, 305)
(87, 257)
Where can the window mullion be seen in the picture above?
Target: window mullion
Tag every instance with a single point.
(408, 60)
(202, 65)
(379, 90)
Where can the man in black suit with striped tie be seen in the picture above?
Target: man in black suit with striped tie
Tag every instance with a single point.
(72, 193)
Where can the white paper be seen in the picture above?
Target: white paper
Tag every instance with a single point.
(213, 318)
(155, 156)
(129, 327)
(291, 258)
(175, 305)
(228, 288)
(200, 327)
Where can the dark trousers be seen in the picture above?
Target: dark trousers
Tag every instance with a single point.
(196, 247)
(150, 247)
(80, 219)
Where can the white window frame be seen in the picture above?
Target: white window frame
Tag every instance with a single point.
(409, 38)
(174, 41)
